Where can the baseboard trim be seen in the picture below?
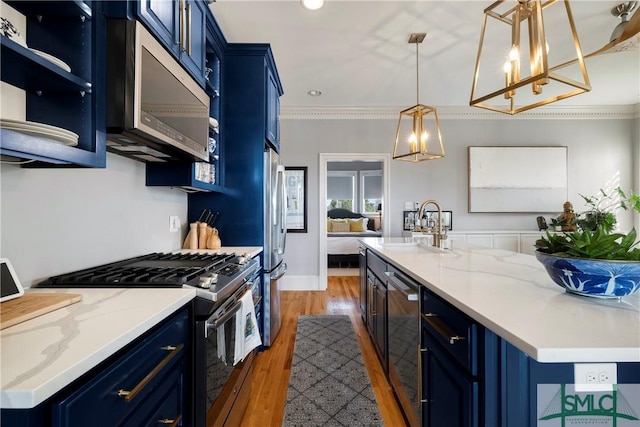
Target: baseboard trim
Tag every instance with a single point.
(300, 283)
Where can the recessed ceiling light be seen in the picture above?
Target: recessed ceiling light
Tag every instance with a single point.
(312, 4)
(314, 93)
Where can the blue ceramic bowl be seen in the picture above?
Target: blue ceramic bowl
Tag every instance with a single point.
(593, 277)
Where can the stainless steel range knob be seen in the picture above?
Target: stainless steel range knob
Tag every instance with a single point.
(205, 282)
(213, 278)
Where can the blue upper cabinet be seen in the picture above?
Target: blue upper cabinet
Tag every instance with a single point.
(252, 76)
(274, 90)
(68, 95)
(180, 26)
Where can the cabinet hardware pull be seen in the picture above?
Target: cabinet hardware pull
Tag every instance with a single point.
(442, 328)
(173, 422)
(187, 29)
(420, 400)
(129, 395)
(181, 18)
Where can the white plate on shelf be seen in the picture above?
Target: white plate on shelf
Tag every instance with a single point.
(52, 59)
(57, 134)
(22, 124)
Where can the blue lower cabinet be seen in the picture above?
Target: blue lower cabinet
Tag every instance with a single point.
(146, 383)
(450, 394)
(135, 384)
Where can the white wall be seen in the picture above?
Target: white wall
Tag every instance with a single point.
(54, 221)
(600, 152)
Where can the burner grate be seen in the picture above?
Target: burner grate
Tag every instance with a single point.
(153, 270)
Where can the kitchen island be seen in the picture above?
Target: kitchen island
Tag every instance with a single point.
(515, 337)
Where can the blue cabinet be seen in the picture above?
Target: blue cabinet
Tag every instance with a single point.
(72, 100)
(180, 26)
(449, 392)
(256, 63)
(377, 305)
(146, 383)
(137, 384)
(274, 91)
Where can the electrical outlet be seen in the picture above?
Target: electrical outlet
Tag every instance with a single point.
(408, 206)
(174, 224)
(595, 376)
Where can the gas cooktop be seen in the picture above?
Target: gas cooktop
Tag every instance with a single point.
(156, 270)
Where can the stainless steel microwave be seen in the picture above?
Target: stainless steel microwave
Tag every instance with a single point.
(156, 112)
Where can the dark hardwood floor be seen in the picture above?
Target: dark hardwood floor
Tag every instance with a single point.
(271, 368)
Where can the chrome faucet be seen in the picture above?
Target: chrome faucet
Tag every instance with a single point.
(436, 230)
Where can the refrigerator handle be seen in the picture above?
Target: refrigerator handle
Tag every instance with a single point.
(282, 204)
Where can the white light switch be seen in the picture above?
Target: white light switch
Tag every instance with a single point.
(408, 206)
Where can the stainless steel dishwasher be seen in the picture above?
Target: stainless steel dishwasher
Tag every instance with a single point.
(403, 305)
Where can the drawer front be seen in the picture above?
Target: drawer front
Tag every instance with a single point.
(130, 380)
(452, 329)
(377, 265)
(168, 407)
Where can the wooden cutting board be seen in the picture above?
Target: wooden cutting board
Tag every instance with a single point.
(33, 304)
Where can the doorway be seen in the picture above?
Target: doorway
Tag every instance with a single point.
(325, 159)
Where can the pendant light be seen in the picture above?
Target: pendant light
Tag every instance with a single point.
(418, 137)
(514, 34)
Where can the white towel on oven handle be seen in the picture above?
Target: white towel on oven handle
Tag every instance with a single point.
(247, 333)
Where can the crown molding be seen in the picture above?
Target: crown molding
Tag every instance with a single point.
(463, 113)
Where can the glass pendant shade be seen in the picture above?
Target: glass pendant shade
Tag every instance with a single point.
(418, 137)
(529, 55)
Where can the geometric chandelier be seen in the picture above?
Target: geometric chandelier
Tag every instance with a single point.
(530, 56)
(418, 126)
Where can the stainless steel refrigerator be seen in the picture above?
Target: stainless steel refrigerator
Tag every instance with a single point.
(275, 236)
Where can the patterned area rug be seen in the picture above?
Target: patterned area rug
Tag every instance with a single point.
(329, 384)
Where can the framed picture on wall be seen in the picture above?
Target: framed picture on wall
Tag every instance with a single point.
(517, 178)
(296, 183)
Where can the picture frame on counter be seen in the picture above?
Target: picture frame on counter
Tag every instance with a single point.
(447, 218)
(296, 184)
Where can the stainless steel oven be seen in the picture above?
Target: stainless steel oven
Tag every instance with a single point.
(226, 387)
(403, 310)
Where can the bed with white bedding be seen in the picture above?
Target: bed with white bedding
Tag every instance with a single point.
(344, 229)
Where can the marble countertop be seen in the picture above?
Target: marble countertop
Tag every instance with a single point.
(41, 356)
(512, 295)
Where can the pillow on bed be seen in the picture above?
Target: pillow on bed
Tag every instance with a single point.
(358, 225)
(340, 226)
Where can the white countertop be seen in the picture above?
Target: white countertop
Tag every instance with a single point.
(41, 356)
(512, 295)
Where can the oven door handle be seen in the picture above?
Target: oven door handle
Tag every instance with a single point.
(213, 325)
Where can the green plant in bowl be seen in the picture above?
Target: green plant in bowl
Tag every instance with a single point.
(594, 260)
